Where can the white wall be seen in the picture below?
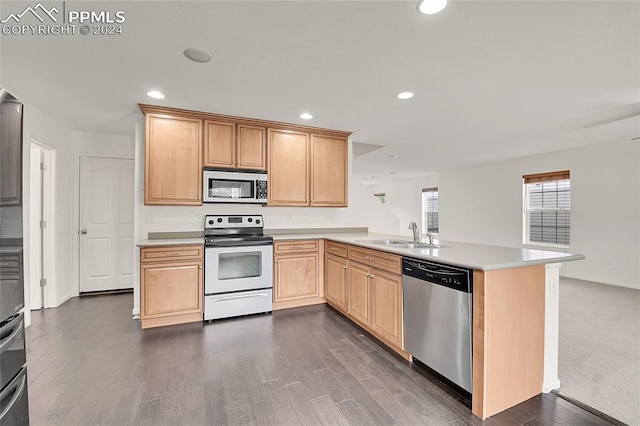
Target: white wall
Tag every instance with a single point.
(48, 132)
(483, 204)
(404, 199)
(364, 211)
(85, 144)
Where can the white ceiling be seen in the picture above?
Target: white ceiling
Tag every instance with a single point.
(492, 79)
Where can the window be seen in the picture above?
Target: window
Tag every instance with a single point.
(430, 210)
(547, 208)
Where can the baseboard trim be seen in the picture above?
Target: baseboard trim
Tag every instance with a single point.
(105, 292)
(589, 409)
(550, 387)
(606, 282)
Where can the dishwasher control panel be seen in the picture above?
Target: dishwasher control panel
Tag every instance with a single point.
(448, 276)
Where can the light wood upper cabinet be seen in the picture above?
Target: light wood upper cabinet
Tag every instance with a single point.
(252, 147)
(329, 180)
(288, 168)
(219, 144)
(171, 285)
(234, 146)
(173, 160)
(307, 169)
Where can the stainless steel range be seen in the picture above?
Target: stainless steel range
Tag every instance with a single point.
(238, 266)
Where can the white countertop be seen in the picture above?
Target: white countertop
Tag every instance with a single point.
(170, 242)
(474, 256)
(468, 255)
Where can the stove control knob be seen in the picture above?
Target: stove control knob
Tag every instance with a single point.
(251, 220)
(219, 220)
(258, 221)
(210, 221)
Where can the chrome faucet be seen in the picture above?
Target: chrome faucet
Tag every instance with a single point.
(430, 236)
(416, 233)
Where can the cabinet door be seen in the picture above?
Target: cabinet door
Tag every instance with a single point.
(169, 289)
(335, 280)
(328, 171)
(252, 147)
(10, 154)
(386, 307)
(173, 161)
(219, 144)
(296, 276)
(358, 297)
(288, 168)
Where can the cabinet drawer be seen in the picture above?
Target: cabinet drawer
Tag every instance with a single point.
(10, 264)
(336, 249)
(377, 259)
(165, 253)
(295, 246)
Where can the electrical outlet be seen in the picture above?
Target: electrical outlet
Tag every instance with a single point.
(192, 217)
(289, 217)
(310, 218)
(149, 218)
(609, 261)
(328, 217)
(200, 218)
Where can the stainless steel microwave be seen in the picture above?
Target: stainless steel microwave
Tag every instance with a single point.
(227, 186)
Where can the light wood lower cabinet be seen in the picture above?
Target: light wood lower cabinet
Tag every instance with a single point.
(375, 295)
(171, 285)
(386, 307)
(335, 278)
(297, 274)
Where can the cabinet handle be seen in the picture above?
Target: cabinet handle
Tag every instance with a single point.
(4, 264)
(369, 258)
(199, 266)
(344, 267)
(275, 261)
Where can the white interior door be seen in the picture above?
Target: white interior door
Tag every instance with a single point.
(106, 224)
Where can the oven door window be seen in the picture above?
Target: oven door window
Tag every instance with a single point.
(232, 266)
(232, 189)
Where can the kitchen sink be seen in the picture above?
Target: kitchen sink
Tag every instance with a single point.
(384, 242)
(419, 245)
(401, 244)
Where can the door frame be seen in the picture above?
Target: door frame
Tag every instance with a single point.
(48, 252)
(78, 158)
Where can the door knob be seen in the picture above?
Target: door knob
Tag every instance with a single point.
(83, 232)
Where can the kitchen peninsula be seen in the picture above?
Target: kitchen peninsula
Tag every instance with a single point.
(515, 306)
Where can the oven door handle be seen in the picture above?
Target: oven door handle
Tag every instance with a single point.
(18, 389)
(15, 326)
(241, 296)
(238, 244)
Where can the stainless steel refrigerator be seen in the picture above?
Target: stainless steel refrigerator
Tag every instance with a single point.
(14, 405)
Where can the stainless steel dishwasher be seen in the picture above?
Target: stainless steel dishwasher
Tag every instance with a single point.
(437, 317)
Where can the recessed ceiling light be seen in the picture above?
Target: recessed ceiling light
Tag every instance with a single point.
(155, 94)
(405, 95)
(306, 116)
(431, 7)
(393, 156)
(196, 55)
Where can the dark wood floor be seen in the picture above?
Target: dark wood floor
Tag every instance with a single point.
(90, 364)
